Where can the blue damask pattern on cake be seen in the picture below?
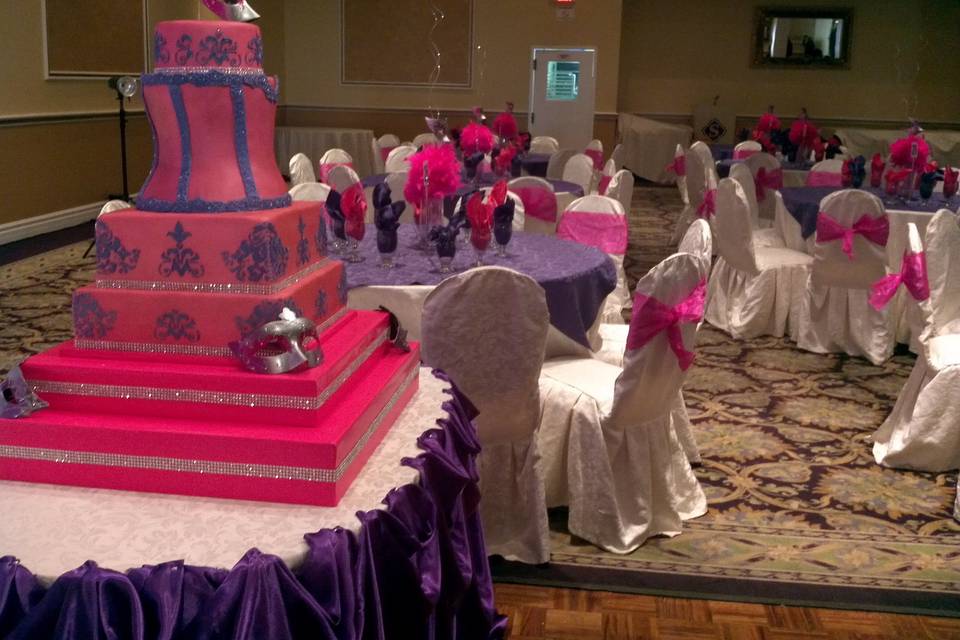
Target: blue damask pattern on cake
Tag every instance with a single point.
(112, 256)
(303, 247)
(255, 55)
(184, 49)
(218, 49)
(320, 240)
(160, 53)
(320, 304)
(90, 320)
(179, 259)
(342, 286)
(176, 325)
(262, 257)
(266, 311)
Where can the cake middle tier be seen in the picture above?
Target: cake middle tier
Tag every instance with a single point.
(251, 252)
(198, 322)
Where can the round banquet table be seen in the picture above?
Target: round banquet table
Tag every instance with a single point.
(53, 530)
(535, 164)
(576, 278)
(794, 175)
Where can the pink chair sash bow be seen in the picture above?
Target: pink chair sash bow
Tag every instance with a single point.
(824, 179)
(596, 156)
(876, 230)
(385, 152)
(764, 180)
(742, 154)
(603, 184)
(913, 275)
(651, 317)
(708, 208)
(678, 165)
(605, 231)
(538, 203)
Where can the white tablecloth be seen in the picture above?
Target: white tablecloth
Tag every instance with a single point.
(649, 145)
(944, 145)
(315, 141)
(53, 529)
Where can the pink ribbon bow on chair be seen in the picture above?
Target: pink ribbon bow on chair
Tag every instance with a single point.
(678, 165)
(708, 208)
(876, 230)
(650, 317)
(913, 275)
(764, 180)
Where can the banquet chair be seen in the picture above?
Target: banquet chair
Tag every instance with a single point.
(544, 144)
(499, 374)
(826, 173)
(609, 450)
(382, 147)
(923, 430)
(397, 158)
(519, 212)
(604, 177)
(539, 204)
(558, 162)
(753, 290)
(301, 170)
(617, 156)
(746, 149)
(678, 166)
(424, 139)
(698, 242)
(706, 159)
(341, 177)
(600, 222)
(620, 188)
(579, 170)
(698, 183)
(849, 255)
(310, 191)
(763, 234)
(594, 151)
(768, 179)
(332, 159)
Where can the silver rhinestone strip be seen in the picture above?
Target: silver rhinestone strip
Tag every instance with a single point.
(213, 287)
(241, 469)
(179, 349)
(124, 392)
(233, 71)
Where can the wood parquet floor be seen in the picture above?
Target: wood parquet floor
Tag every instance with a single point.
(567, 614)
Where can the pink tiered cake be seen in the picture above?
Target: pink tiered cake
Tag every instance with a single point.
(148, 395)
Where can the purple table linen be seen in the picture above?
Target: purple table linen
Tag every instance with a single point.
(723, 166)
(486, 180)
(418, 569)
(803, 203)
(576, 278)
(535, 164)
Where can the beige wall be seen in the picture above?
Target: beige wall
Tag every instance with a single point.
(662, 72)
(505, 30)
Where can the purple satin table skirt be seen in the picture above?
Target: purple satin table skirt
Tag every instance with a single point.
(417, 569)
(803, 203)
(576, 278)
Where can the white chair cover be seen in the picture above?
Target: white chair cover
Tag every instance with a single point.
(544, 144)
(609, 168)
(595, 145)
(620, 188)
(301, 170)
(768, 179)
(579, 170)
(753, 290)
(836, 316)
(699, 180)
(331, 159)
(617, 157)
(746, 149)
(113, 205)
(341, 177)
(763, 234)
(487, 329)
(923, 430)
(609, 448)
(601, 222)
(388, 140)
(558, 162)
(539, 204)
(383, 146)
(311, 191)
(397, 159)
(706, 159)
(424, 139)
(679, 169)
(826, 173)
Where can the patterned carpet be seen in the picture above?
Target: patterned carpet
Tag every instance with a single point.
(798, 510)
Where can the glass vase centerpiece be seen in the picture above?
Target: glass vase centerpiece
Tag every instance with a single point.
(910, 153)
(476, 141)
(480, 215)
(353, 206)
(434, 175)
(502, 217)
(386, 218)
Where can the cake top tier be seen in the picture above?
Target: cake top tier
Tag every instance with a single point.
(202, 44)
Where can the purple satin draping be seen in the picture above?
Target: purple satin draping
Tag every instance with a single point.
(418, 569)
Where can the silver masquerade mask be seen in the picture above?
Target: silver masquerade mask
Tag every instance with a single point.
(280, 346)
(17, 399)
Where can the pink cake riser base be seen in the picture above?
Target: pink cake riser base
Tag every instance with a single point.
(345, 346)
(353, 408)
(210, 235)
(204, 484)
(140, 317)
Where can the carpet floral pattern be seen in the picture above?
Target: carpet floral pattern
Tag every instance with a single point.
(795, 497)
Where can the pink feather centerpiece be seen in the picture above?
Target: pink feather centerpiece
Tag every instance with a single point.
(901, 152)
(476, 138)
(442, 174)
(505, 125)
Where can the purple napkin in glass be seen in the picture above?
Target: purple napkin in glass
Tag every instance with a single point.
(337, 219)
(386, 218)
